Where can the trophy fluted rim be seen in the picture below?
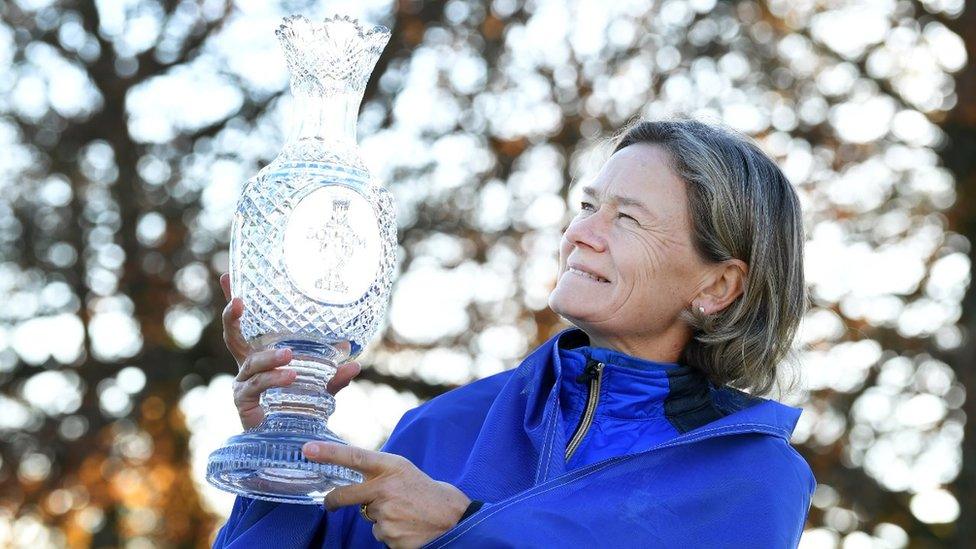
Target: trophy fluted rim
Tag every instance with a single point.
(374, 35)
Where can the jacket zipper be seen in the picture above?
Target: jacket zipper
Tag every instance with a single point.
(593, 373)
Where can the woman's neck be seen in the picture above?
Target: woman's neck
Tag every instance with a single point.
(665, 347)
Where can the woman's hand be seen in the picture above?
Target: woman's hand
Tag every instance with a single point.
(261, 370)
(409, 508)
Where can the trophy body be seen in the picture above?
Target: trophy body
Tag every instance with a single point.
(312, 254)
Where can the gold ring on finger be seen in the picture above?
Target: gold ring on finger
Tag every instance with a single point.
(365, 514)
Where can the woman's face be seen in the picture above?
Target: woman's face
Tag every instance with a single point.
(627, 266)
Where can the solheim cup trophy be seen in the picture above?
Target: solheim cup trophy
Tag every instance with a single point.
(312, 254)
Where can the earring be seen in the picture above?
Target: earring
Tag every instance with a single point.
(701, 309)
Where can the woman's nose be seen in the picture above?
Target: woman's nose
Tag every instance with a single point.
(587, 232)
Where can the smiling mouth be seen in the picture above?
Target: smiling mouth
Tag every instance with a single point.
(587, 275)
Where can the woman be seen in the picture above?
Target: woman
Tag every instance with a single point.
(683, 276)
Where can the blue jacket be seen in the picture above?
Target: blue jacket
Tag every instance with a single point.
(663, 458)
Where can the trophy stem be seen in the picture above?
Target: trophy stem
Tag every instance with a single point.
(267, 462)
(316, 365)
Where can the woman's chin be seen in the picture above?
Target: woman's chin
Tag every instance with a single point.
(572, 308)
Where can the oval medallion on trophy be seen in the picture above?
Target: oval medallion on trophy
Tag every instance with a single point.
(332, 245)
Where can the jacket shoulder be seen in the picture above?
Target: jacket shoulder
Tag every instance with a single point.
(769, 482)
(766, 462)
(457, 413)
(739, 490)
(472, 398)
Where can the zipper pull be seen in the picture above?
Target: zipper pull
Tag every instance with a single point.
(591, 371)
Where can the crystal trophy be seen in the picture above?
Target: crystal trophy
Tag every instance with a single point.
(312, 254)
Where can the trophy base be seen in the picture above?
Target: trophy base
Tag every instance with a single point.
(269, 465)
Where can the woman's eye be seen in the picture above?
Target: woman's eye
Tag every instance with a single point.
(586, 206)
(625, 216)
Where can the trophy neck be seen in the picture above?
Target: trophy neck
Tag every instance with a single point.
(331, 118)
(330, 62)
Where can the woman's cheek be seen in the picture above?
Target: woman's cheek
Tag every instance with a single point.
(649, 256)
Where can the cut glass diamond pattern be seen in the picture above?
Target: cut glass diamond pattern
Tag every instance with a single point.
(330, 63)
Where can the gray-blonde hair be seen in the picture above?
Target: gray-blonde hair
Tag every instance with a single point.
(741, 206)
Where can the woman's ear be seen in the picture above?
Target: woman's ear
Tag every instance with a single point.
(727, 285)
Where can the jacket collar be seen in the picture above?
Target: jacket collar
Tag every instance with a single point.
(630, 387)
(634, 388)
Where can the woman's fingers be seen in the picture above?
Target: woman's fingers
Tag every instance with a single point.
(262, 361)
(260, 371)
(344, 374)
(354, 494)
(225, 285)
(372, 464)
(247, 394)
(233, 339)
(250, 390)
(231, 318)
(263, 370)
(344, 347)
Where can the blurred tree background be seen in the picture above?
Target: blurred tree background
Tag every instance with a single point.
(128, 127)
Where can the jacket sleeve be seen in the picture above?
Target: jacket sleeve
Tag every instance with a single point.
(258, 523)
(765, 505)
(755, 496)
(783, 500)
(227, 531)
(758, 497)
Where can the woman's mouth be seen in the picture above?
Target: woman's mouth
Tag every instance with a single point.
(586, 275)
